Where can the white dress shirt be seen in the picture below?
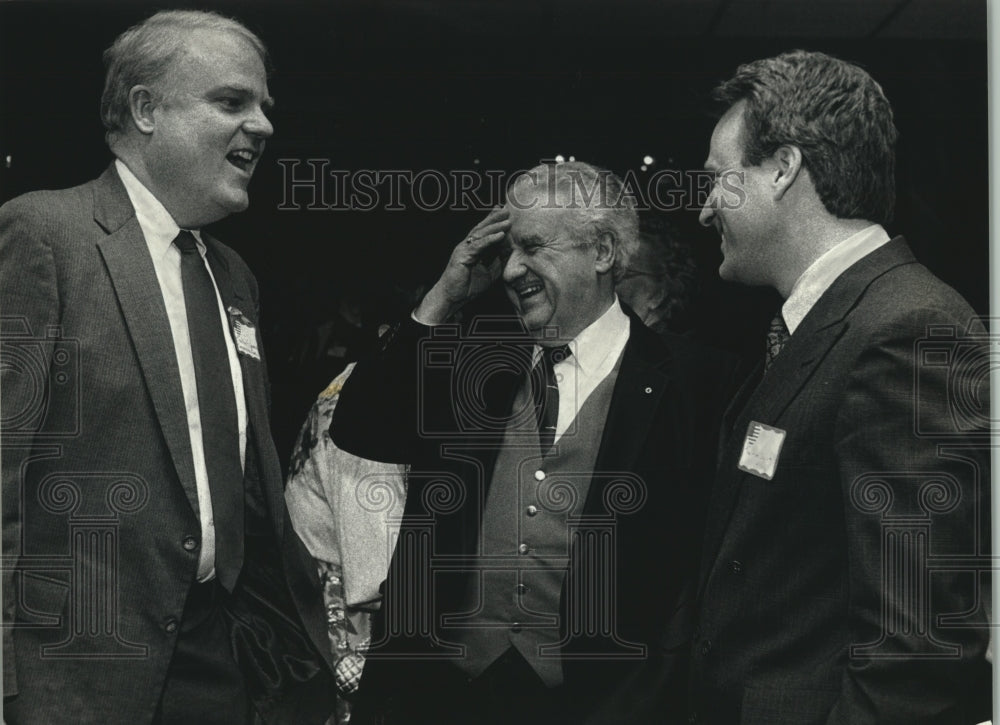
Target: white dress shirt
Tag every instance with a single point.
(824, 272)
(595, 352)
(160, 230)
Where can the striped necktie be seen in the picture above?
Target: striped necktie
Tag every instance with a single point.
(546, 394)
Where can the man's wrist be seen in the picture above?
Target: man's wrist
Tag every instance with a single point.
(434, 309)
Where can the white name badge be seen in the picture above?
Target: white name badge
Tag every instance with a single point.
(761, 449)
(244, 334)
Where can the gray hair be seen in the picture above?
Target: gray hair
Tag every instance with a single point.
(142, 54)
(605, 205)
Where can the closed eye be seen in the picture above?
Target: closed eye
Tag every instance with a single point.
(231, 103)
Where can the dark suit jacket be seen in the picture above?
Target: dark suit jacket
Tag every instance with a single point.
(845, 589)
(649, 484)
(100, 528)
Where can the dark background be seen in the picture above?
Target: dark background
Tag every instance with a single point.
(429, 84)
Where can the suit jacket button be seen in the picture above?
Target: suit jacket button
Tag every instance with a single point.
(532, 510)
(515, 627)
(170, 625)
(736, 567)
(190, 543)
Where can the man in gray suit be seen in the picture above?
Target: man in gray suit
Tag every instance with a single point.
(839, 580)
(150, 570)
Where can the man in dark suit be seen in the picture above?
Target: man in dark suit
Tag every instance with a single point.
(839, 580)
(150, 570)
(559, 464)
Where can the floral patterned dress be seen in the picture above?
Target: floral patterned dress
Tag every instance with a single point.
(346, 511)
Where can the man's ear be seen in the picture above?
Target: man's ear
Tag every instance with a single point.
(787, 165)
(606, 248)
(141, 103)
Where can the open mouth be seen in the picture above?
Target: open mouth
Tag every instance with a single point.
(529, 290)
(242, 159)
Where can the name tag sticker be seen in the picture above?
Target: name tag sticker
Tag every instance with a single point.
(244, 334)
(761, 449)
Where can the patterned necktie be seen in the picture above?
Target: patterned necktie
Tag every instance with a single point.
(777, 336)
(217, 409)
(546, 394)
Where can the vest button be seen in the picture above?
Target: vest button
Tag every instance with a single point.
(170, 625)
(521, 589)
(522, 549)
(190, 543)
(539, 475)
(736, 567)
(532, 510)
(515, 627)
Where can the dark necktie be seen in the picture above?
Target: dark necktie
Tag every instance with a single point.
(217, 408)
(546, 394)
(777, 336)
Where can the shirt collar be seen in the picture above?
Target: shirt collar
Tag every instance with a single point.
(157, 225)
(596, 341)
(824, 272)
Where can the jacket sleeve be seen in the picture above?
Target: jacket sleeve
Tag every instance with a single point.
(913, 456)
(378, 416)
(29, 312)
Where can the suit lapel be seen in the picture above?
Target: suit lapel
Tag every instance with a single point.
(736, 406)
(791, 370)
(236, 299)
(130, 267)
(780, 385)
(641, 384)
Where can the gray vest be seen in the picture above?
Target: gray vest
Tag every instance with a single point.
(514, 597)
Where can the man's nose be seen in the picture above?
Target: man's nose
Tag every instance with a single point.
(513, 267)
(258, 124)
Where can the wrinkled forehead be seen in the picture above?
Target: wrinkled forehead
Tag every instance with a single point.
(535, 211)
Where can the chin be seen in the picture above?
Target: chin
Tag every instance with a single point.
(234, 202)
(534, 324)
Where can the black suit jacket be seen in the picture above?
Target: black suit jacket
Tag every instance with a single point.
(847, 588)
(439, 399)
(100, 528)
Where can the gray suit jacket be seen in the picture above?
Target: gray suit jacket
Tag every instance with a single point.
(846, 589)
(100, 524)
